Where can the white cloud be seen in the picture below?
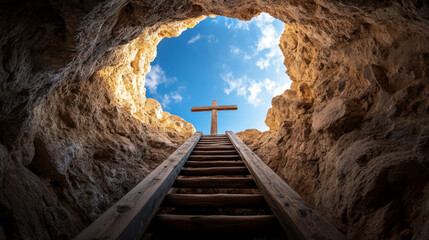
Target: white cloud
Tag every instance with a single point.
(254, 89)
(235, 50)
(177, 97)
(244, 87)
(251, 89)
(237, 84)
(194, 39)
(237, 24)
(155, 77)
(269, 84)
(168, 98)
(263, 63)
(210, 38)
(268, 38)
(165, 100)
(276, 88)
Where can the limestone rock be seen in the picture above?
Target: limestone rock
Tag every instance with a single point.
(75, 134)
(337, 116)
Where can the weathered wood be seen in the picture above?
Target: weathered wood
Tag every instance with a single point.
(213, 147)
(130, 216)
(214, 108)
(220, 145)
(214, 223)
(215, 200)
(297, 218)
(209, 108)
(215, 141)
(214, 182)
(214, 163)
(214, 157)
(213, 128)
(214, 171)
(219, 152)
(214, 136)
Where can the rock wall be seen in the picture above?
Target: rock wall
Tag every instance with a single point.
(76, 131)
(351, 136)
(69, 151)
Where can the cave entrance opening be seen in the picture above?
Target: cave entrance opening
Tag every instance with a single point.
(225, 59)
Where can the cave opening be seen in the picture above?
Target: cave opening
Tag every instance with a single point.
(72, 73)
(233, 61)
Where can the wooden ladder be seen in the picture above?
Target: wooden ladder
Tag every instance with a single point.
(212, 187)
(215, 196)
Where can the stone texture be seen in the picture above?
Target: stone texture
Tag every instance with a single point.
(351, 136)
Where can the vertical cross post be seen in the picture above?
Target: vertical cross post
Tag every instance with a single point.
(214, 107)
(213, 129)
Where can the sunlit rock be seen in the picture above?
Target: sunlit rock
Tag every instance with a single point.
(75, 135)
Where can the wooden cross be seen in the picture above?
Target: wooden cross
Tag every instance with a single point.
(214, 107)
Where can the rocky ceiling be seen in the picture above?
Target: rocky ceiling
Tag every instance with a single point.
(77, 132)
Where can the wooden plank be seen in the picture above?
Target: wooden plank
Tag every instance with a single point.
(214, 147)
(215, 200)
(213, 157)
(214, 163)
(214, 182)
(217, 159)
(130, 216)
(214, 136)
(219, 152)
(213, 128)
(214, 223)
(209, 108)
(298, 219)
(214, 141)
(214, 171)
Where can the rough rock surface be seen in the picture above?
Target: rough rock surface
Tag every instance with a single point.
(351, 136)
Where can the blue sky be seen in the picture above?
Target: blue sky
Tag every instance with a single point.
(234, 62)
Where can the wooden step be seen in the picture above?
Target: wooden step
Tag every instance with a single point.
(216, 135)
(214, 171)
(214, 223)
(213, 157)
(218, 152)
(214, 147)
(214, 142)
(215, 139)
(214, 182)
(215, 200)
(220, 137)
(214, 163)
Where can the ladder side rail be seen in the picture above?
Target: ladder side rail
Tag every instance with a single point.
(297, 218)
(131, 215)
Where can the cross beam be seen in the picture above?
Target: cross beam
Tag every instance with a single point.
(214, 107)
